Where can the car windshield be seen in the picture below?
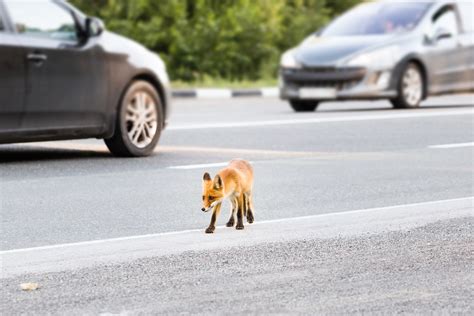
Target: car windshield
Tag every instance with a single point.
(378, 18)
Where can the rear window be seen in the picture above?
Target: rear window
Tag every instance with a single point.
(466, 8)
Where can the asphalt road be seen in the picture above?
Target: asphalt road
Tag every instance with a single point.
(345, 157)
(75, 191)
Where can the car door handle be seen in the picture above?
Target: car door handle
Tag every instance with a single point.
(37, 58)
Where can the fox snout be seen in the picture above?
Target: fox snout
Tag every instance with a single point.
(206, 209)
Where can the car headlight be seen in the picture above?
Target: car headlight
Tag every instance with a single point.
(380, 59)
(288, 60)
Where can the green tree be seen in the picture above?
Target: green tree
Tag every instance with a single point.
(229, 39)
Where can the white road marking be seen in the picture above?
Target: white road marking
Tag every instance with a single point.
(332, 214)
(314, 120)
(446, 146)
(62, 257)
(200, 166)
(240, 151)
(214, 93)
(270, 92)
(81, 255)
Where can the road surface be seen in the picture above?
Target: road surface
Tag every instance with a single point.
(109, 215)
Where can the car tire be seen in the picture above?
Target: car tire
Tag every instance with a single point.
(303, 106)
(410, 88)
(138, 123)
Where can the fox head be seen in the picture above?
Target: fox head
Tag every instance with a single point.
(212, 191)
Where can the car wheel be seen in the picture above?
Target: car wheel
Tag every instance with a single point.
(138, 123)
(410, 88)
(303, 106)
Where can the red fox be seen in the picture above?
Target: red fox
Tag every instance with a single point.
(234, 182)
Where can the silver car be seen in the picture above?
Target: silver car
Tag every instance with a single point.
(403, 51)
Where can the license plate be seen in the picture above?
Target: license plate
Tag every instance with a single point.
(317, 93)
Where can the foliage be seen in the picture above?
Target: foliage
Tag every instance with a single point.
(228, 39)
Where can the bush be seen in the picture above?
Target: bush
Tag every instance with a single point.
(228, 39)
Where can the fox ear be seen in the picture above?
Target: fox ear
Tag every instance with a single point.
(206, 177)
(217, 182)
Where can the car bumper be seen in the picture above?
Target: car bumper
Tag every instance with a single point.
(331, 83)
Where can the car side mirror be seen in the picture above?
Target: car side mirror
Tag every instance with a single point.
(442, 33)
(94, 27)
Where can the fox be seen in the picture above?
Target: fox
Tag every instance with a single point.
(234, 182)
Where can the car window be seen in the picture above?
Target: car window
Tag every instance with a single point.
(445, 19)
(2, 28)
(41, 18)
(466, 8)
(378, 18)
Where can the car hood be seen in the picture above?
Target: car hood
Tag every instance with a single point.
(324, 51)
(122, 43)
(135, 52)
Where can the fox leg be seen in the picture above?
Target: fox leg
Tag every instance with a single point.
(240, 212)
(215, 213)
(245, 204)
(249, 206)
(231, 221)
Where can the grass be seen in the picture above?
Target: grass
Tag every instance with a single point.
(216, 83)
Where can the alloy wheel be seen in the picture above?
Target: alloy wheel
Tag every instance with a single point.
(141, 119)
(412, 86)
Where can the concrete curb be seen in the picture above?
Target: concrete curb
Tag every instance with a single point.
(214, 93)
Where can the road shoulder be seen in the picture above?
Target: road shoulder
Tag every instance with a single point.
(345, 224)
(418, 270)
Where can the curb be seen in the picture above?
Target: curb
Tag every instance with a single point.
(211, 93)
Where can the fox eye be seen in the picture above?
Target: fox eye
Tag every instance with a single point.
(203, 197)
(210, 198)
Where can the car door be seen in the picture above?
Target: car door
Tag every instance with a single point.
(12, 78)
(446, 56)
(62, 71)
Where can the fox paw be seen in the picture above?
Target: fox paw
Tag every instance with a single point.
(250, 218)
(210, 230)
(230, 224)
(239, 227)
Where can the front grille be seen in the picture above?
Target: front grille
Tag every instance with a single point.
(324, 77)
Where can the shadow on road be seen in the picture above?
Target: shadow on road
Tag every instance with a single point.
(21, 154)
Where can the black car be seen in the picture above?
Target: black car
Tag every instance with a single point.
(62, 76)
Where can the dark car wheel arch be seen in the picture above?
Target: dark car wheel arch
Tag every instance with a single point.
(112, 119)
(401, 66)
(159, 89)
(117, 142)
(401, 101)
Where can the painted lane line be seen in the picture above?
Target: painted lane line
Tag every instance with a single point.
(200, 166)
(360, 223)
(352, 118)
(469, 200)
(96, 242)
(446, 146)
(238, 151)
